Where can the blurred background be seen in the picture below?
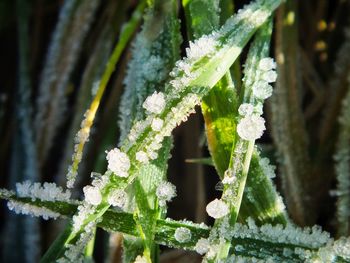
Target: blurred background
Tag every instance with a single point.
(52, 61)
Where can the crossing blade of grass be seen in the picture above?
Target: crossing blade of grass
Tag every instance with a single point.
(249, 241)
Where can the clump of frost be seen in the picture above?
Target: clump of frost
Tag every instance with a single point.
(142, 157)
(157, 124)
(262, 90)
(165, 192)
(251, 127)
(182, 234)
(270, 76)
(246, 109)
(267, 64)
(117, 197)
(140, 259)
(217, 209)
(92, 195)
(118, 162)
(45, 192)
(27, 209)
(204, 46)
(202, 246)
(154, 103)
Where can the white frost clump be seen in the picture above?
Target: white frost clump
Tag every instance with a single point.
(165, 192)
(142, 157)
(201, 47)
(157, 124)
(182, 234)
(45, 192)
(155, 103)
(27, 209)
(217, 209)
(262, 90)
(267, 64)
(92, 195)
(118, 198)
(118, 162)
(246, 109)
(251, 128)
(270, 76)
(202, 246)
(140, 259)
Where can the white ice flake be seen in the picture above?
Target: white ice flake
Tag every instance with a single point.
(165, 192)
(202, 246)
(262, 90)
(251, 127)
(92, 195)
(182, 234)
(267, 64)
(217, 209)
(157, 124)
(154, 103)
(118, 198)
(246, 109)
(118, 162)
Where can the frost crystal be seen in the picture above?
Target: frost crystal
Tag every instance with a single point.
(270, 76)
(246, 109)
(92, 195)
(118, 198)
(182, 234)
(118, 162)
(140, 259)
(27, 209)
(251, 127)
(262, 90)
(217, 209)
(165, 192)
(201, 47)
(202, 246)
(45, 192)
(155, 103)
(157, 124)
(142, 157)
(267, 64)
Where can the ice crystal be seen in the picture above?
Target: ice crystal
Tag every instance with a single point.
(140, 259)
(118, 198)
(204, 46)
(118, 162)
(202, 246)
(155, 103)
(142, 157)
(246, 109)
(267, 64)
(217, 209)
(165, 192)
(157, 124)
(262, 90)
(27, 209)
(45, 192)
(182, 234)
(251, 127)
(92, 195)
(270, 76)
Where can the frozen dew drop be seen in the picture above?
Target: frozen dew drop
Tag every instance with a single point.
(154, 103)
(165, 192)
(202, 246)
(251, 127)
(118, 198)
(140, 259)
(92, 195)
(262, 90)
(217, 209)
(246, 109)
(142, 157)
(267, 64)
(182, 234)
(118, 162)
(270, 76)
(157, 124)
